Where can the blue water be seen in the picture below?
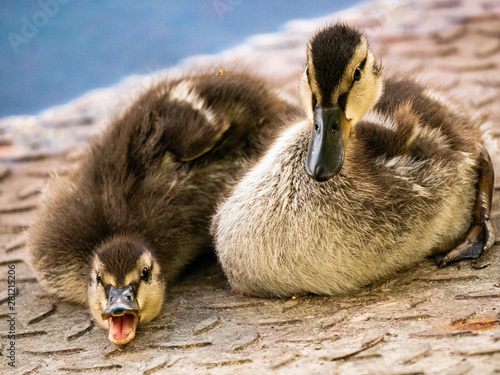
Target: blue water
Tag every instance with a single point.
(52, 51)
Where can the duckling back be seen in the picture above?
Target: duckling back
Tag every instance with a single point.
(155, 175)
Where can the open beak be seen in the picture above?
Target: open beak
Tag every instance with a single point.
(328, 143)
(122, 311)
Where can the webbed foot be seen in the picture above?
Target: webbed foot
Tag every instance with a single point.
(480, 237)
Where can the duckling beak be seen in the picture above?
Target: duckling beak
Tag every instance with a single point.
(122, 311)
(325, 156)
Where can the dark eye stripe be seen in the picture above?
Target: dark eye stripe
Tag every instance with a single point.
(361, 67)
(363, 63)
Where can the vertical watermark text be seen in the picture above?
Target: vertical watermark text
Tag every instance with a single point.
(11, 315)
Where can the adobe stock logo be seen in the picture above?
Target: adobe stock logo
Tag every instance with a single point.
(222, 7)
(31, 26)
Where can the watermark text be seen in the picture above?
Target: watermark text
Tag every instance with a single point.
(32, 25)
(11, 315)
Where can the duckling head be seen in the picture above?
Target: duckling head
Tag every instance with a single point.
(340, 83)
(126, 287)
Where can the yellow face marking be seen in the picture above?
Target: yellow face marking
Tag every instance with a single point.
(346, 81)
(312, 77)
(144, 261)
(106, 277)
(346, 140)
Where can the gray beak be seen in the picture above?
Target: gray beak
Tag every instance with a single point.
(325, 156)
(121, 301)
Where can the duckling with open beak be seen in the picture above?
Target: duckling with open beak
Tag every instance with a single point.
(126, 287)
(121, 225)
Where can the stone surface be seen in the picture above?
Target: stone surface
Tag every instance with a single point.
(423, 321)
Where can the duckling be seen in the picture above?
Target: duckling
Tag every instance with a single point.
(116, 231)
(394, 173)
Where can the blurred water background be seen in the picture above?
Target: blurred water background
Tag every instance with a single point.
(52, 51)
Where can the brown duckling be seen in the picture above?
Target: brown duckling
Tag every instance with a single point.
(121, 226)
(394, 172)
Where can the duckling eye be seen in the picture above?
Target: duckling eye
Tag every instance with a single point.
(98, 278)
(145, 274)
(357, 74)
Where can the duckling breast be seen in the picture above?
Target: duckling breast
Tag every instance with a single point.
(281, 233)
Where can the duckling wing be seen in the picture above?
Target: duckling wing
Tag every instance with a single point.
(441, 116)
(172, 117)
(200, 114)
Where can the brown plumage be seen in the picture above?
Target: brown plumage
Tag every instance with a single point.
(404, 176)
(137, 208)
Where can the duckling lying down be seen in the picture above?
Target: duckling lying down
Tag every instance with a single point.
(395, 173)
(121, 226)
